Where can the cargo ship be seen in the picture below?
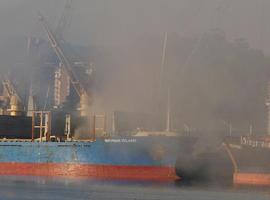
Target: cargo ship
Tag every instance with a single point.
(250, 159)
(138, 158)
(250, 155)
(43, 140)
(45, 144)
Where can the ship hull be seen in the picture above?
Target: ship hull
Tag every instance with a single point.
(251, 159)
(261, 179)
(142, 158)
(90, 170)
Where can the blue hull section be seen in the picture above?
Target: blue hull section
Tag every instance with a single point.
(137, 151)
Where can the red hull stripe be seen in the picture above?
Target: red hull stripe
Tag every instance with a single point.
(252, 179)
(87, 170)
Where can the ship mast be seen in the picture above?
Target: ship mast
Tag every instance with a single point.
(268, 108)
(161, 81)
(168, 120)
(163, 58)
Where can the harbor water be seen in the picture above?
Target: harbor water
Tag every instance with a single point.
(19, 187)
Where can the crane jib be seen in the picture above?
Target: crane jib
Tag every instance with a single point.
(78, 86)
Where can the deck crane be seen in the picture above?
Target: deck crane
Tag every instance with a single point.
(12, 98)
(80, 88)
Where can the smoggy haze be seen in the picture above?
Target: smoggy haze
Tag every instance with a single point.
(113, 21)
(222, 81)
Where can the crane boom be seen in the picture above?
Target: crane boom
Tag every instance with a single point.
(78, 86)
(10, 89)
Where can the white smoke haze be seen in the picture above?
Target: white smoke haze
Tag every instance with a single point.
(216, 78)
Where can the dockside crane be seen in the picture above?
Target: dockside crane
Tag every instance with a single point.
(79, 86)
(12, 98)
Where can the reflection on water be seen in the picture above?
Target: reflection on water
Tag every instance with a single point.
(12, 187)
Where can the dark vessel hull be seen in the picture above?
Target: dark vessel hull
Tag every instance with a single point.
(251, 159)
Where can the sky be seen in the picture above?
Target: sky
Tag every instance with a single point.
(110, 22)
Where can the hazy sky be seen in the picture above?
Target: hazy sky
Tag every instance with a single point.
(114, 21)
(127, 61)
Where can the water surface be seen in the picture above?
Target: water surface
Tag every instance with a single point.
(13, 187)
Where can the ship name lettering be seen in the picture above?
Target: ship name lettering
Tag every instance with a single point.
(243, 140)
(254, 143)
